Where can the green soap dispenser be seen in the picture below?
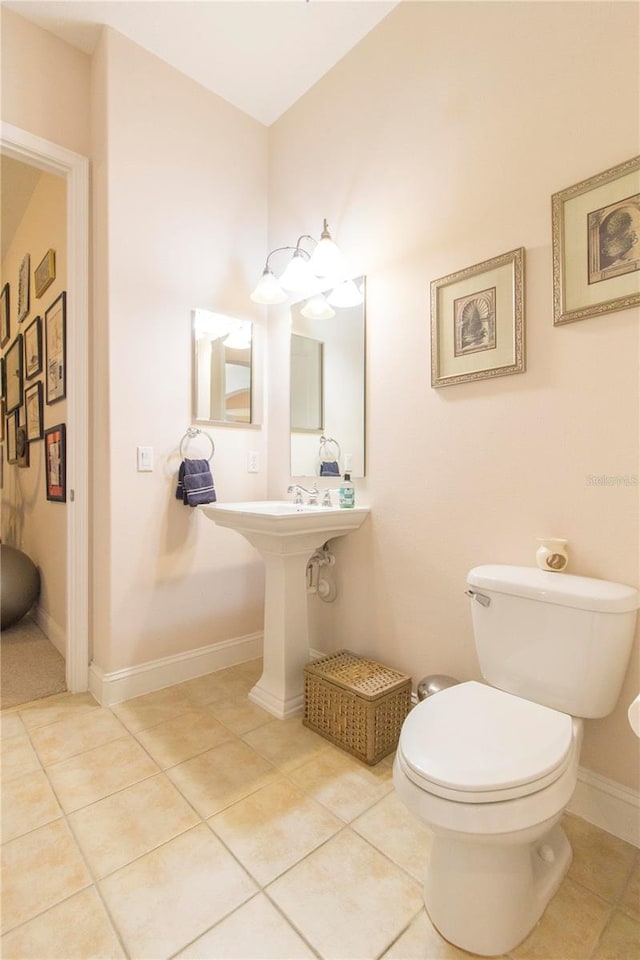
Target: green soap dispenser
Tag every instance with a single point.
(347, 493)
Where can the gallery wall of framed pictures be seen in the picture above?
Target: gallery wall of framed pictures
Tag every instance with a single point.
(33, 369)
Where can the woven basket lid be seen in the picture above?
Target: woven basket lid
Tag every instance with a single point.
(367, 678)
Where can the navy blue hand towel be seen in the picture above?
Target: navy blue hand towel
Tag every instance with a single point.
(329, 468)
(198, 488)
(195, 483)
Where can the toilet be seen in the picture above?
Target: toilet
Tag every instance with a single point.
(489, 768)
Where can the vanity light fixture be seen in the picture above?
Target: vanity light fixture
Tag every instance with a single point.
(306, 275)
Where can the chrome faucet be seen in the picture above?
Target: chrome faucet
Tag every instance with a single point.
(297, 489)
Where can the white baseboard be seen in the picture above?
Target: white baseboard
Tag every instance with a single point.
(110, 688)
(51, 630)
(608, 805)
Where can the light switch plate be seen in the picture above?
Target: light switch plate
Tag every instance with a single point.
(145, 459)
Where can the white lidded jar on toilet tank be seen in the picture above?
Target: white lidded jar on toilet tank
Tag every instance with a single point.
(562, 641)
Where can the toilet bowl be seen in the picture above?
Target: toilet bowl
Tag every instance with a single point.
(489, 768)
(498, 854)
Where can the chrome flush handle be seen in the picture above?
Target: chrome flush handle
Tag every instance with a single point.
(478, 597)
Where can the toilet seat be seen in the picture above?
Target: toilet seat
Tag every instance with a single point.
(475, 744)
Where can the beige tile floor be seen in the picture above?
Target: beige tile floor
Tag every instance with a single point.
(189, 823)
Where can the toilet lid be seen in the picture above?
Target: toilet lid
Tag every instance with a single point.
(474, 743)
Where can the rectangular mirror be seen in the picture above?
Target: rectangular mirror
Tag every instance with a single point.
(328, 391)
(222, 368)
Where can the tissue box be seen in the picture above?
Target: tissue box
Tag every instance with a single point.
(358, 704)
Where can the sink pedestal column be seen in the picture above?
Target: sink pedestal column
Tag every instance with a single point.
(286, 535)
(280, 689)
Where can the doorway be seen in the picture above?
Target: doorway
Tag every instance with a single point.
(48, 156)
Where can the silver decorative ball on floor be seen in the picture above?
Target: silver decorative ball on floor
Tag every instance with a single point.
(20, 585)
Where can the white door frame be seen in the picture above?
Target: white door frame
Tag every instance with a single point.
(52, 158)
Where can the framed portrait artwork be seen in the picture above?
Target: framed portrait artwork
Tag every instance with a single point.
(596, 244)
(12, 440)
(55, 322)
(22, 446)
(477, 321)
(33, 349)
(45, 273)
(13, 374)
(5, 315)
(55, 462)
(24, 287)
(33, 408)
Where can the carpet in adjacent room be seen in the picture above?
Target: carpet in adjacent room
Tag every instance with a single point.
(30, 665)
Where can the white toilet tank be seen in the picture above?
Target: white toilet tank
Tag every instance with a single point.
(559, 640)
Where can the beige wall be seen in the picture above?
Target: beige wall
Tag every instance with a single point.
(180, 216)
(434, 145)
(29, 521)
(45, 87)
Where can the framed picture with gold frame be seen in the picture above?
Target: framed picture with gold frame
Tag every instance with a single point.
(477, 321)
(24, 286)
(45, 273)
(596, 244)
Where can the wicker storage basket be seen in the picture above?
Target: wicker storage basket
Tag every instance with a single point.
(358, 704)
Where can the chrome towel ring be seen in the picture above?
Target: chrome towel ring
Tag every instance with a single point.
(329, 449)
(191, 434)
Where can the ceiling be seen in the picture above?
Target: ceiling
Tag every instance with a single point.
(260, 55)
(18, 181)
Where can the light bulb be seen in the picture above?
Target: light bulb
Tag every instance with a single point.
(239, 338)
(345, 295)
(317, 308)
(268, 290)
(298, 275)
(326, 259)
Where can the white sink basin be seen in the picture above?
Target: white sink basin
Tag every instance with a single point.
(286, 534)
(282, 518)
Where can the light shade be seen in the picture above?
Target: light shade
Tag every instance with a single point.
(345, 295)
(240, 337)
(268, 290)
(298, 275)
(317, 308)
(326, 259)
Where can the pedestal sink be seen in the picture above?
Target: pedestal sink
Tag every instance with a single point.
(285, 534)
